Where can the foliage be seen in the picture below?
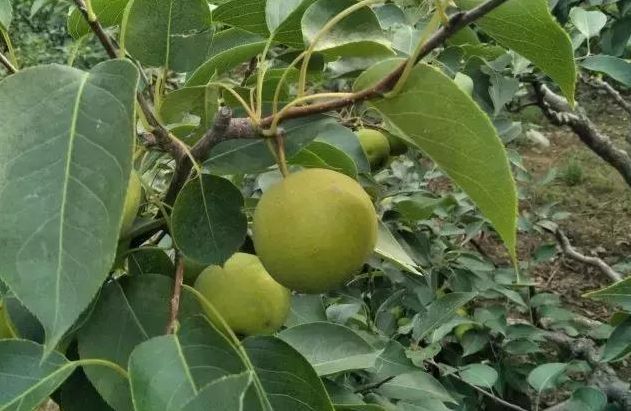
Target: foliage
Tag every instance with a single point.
(224, 100)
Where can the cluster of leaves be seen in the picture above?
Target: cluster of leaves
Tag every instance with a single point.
(427, 325)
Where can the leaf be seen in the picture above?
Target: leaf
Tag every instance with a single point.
(359, 407)
(149, 260)
(237, 47)
(27, 379)
(357, 34)
(390, 249)
(226, 393)
(168, 33)
(587, 399)
(78, 394)
(347, 141)
(290, 383)
(330, 348)
(59, 239)
(545, 376)
(457, 135)
(253, 156)
(208, 223)
(415, 386)
(108, 12)
(141, 308)
(616, 68)
(248, 15)
(323, 155)
(283, 19)
(392, 361)
(440, 311)
(589, 23)
(530, 30)
(618, 346)
(480, 375)
(305, 308)
(201, 101)
(618, 294)
(6, 14)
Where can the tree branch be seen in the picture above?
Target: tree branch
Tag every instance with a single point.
(7, 64)
(571, 252)
(602, 84)
(558, 112)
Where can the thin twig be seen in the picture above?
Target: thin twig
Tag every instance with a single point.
(602, 84)
(7, 64)
(177, 292)
(571, 252)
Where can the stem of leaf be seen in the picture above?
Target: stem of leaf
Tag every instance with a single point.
(323, 32)
(260, 76)
(240, 99)
(10, 48)
(280, 149)
(282, 80)
(103, 363)
(274, 126)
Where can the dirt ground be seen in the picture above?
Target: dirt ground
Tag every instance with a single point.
(595, 195)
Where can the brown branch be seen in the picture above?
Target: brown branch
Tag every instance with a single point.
(572, 253)
(7, 64)
(559, 113)
(177, 292)
(615, 94)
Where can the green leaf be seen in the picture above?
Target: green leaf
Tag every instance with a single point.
(237, 47)
(545, 376)
(530, 30)
(74, 130)
(389, 248)
(440, 311)
(392, 361)
(6, 14)
(587, 399)
(284, 20)
(324, 155)
(616, 68)
(108, 12)
(289, 381)
(253, 156)
(174, 371)
(199, 101)
(589, 23)
(149, 260)
(141, 308)
(168, 33)
(616, 294)
(78, 394)
(248, 15)
(618, 345)
(226, 393)
(457, 135)
(208, 223)
(305, 308)
(344, 139)
(358, 34)
(27, 379)
(480, 375)
(329, 347)
(359, 407)
(415, 386)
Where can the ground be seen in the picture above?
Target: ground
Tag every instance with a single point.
(595, 195)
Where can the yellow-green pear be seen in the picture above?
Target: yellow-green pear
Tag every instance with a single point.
(375, 145)
(314, 230)
(132, 202)
(245, 295)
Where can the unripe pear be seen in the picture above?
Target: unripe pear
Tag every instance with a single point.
(245, 295)
(314, 230)
(375, 145)
(132, 202)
